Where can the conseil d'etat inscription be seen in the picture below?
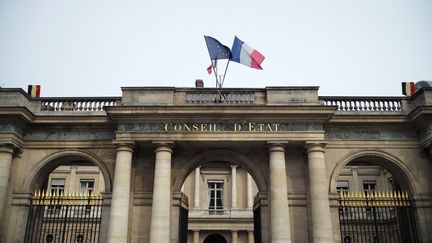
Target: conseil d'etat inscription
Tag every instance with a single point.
(218, 127)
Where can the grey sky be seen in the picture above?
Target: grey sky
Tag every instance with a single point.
(92, 48)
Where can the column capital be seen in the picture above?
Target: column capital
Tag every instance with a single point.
(315, 146)
(124, 145)
(277, 146)
(233, 166)
(166, 146)
(11, 148)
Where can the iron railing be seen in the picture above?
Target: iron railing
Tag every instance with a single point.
(376, 217)
(62, 218)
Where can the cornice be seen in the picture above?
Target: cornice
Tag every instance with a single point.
(17, 112)
(390, 117)
(43, 144)
(356, 144)
(420, 112)
(220, 136)
(221, 112)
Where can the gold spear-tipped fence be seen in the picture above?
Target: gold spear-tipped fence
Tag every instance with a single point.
(47, 198)
(64, 217)
(376, 216)
(376, 199)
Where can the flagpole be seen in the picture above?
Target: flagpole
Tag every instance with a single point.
(214, 69)
(226, 68)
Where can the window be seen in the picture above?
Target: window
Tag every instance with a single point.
(342, 186)
(215, 196)
(369, 186)
(57, 186)
(87, 186)
(390, 184)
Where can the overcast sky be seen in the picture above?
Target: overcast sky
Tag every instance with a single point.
(93, 48)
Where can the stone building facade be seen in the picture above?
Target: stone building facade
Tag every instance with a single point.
(291, 147)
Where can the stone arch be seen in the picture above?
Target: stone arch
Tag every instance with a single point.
(390, 162)
(221, 155)
(46, 165)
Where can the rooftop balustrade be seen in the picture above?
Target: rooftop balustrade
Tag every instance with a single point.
(78, 103)
(368, 104)
(170, 96)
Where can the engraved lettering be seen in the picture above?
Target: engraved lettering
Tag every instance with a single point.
(203, 127)
(168, 127)
(252, 127)
(195, 127)
(186, 127)
(177, 127)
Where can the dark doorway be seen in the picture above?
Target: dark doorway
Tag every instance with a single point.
(215, 239)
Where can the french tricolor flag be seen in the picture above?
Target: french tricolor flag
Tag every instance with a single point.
(246, 55)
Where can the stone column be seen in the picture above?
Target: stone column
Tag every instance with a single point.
(197, 187)
(119, 216)
(6, 155)
(233, 186)
(249, 191)
(251, 237)
(319, 200)
(234, 236)
(161, 206)
(279, 210)
(195, 236)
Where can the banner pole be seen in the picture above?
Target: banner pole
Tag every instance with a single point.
(226, 68)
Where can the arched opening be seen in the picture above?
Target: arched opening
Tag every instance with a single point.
(66, 205)
(221, 192)
(375, 201)
(215, 238)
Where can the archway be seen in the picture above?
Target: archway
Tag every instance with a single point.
(375, 199)
(39, 175)
(66, 205)
(221, 191)
(215, 238)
